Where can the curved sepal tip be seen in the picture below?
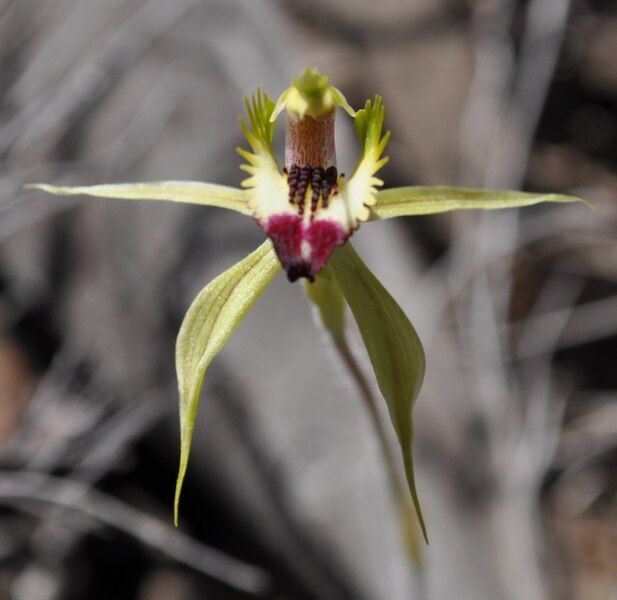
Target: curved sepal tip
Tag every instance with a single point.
(213, 316)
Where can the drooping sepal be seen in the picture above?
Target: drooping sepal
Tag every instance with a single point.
(212, 318)
(330, 304)
(393, 346)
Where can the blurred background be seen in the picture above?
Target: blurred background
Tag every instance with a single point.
(286, 496)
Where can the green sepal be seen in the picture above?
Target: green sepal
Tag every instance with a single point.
(428, 200)
(212, 318)
(327, 296)
(393, 346)
(187, 192)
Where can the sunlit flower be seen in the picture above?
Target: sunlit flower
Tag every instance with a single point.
(308, 210)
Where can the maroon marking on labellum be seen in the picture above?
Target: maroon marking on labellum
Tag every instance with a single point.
(324, 237)
(285, 231)
(288, 232)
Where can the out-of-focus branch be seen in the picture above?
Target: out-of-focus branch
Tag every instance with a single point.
(505, 100)
(88, 78)
(27, 487)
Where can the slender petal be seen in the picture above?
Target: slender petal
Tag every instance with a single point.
(188, 192)
(393, 346)
(212, 318)
(421, 200)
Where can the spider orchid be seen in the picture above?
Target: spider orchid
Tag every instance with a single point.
(309, 210)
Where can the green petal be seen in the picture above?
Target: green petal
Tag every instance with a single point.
(393, 346)
(421, 200)
(211, 319)
(268, 192)
(189, 192)
(357, 196)
(368, 124)
(260, 130)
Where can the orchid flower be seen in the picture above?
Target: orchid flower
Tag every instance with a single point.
(309, 210)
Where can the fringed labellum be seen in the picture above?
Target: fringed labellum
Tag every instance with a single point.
(308, 209)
